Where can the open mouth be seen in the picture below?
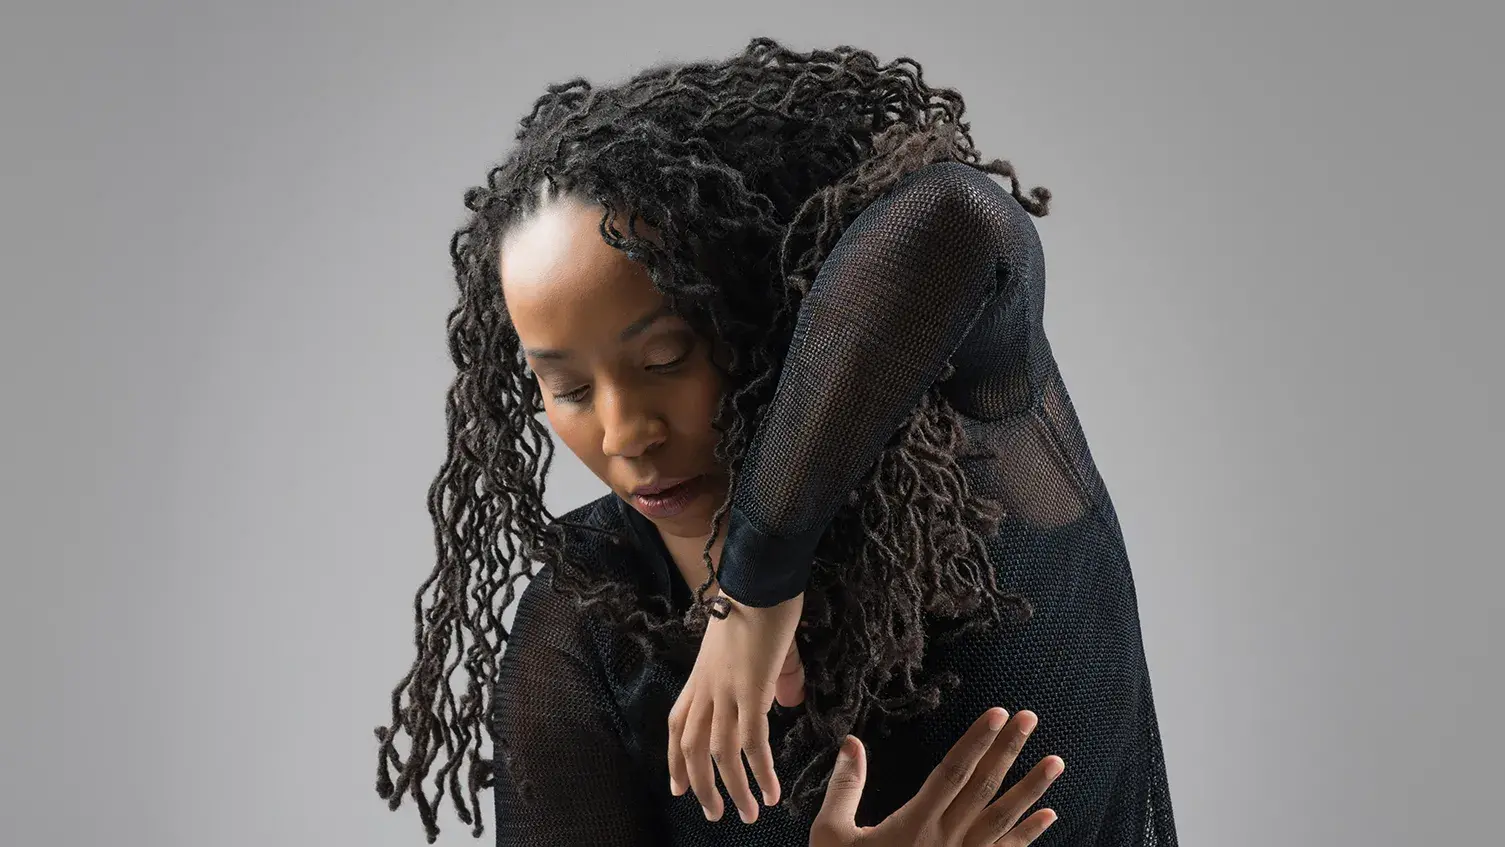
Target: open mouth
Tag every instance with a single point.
(670, 501)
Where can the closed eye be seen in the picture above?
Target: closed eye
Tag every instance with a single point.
(571, 396)
(579, 394)
(669, 366)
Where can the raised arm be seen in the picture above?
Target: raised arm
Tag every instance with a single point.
(902, 289)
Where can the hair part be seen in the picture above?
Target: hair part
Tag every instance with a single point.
(748, 170)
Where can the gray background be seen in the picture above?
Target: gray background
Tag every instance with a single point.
(1273, 292)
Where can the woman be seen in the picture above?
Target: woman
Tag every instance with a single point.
(779, 306)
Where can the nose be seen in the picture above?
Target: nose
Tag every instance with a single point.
(630, 426)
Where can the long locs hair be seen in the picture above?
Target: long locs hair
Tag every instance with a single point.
(747, 170)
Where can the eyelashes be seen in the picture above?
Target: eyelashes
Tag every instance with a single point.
(578, 394)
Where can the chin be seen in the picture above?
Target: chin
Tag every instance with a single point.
(693, 522)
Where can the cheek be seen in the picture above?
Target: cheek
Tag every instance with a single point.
(575, 432)
(698, 403)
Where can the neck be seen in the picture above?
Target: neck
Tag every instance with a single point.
(687, 554)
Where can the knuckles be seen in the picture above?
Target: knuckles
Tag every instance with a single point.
(954, 775)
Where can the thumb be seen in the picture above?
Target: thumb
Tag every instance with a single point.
(838, 812)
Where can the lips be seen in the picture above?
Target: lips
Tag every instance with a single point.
(670, 498)
(659, 487)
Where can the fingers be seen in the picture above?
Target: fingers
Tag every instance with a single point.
(679, 779)
(1026, 833)
(954, 771)
(707, 740)
(695, 745)
(988, 776)
(754, 730)
(837, 819)
(726, 752)
(999, 817)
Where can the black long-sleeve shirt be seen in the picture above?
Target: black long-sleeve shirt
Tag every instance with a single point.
(946, 267)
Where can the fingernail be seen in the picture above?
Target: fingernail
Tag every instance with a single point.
(746, 818)
(1031, 721)
(848, 747)
(997, 720)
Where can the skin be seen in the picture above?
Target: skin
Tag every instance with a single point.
(632, 390)
(628, 387)
(956, 806)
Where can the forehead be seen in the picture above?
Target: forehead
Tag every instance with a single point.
(561, 280)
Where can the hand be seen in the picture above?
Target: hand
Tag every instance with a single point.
(952, 807)
(789, 689)
(722, 712)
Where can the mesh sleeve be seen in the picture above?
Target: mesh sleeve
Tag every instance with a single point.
(563, 772)
(900, 293)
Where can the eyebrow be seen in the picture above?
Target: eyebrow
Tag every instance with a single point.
(633, 330)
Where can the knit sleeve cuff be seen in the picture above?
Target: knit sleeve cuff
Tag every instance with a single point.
(762, 570)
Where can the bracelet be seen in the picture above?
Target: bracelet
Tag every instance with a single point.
(718, 607)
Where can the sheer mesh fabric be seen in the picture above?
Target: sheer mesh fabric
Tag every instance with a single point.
(563, 773)
(945, 269)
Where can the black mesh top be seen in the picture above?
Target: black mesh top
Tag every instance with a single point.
(947, 267)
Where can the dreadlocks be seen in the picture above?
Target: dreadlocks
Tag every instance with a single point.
(748, 170)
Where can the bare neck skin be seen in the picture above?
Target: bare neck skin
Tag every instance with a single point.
(686, 553)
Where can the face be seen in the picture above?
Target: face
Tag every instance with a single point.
(628, 386)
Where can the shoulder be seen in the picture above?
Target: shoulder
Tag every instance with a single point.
(591, 531)
(544, 613)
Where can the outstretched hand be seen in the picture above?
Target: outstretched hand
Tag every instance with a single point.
(746, 661)
(956, 806)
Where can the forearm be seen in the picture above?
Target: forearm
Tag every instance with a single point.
(897, 296)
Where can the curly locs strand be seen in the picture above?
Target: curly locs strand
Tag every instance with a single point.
(748, 169)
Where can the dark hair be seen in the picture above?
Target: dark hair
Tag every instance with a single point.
(748, 169)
